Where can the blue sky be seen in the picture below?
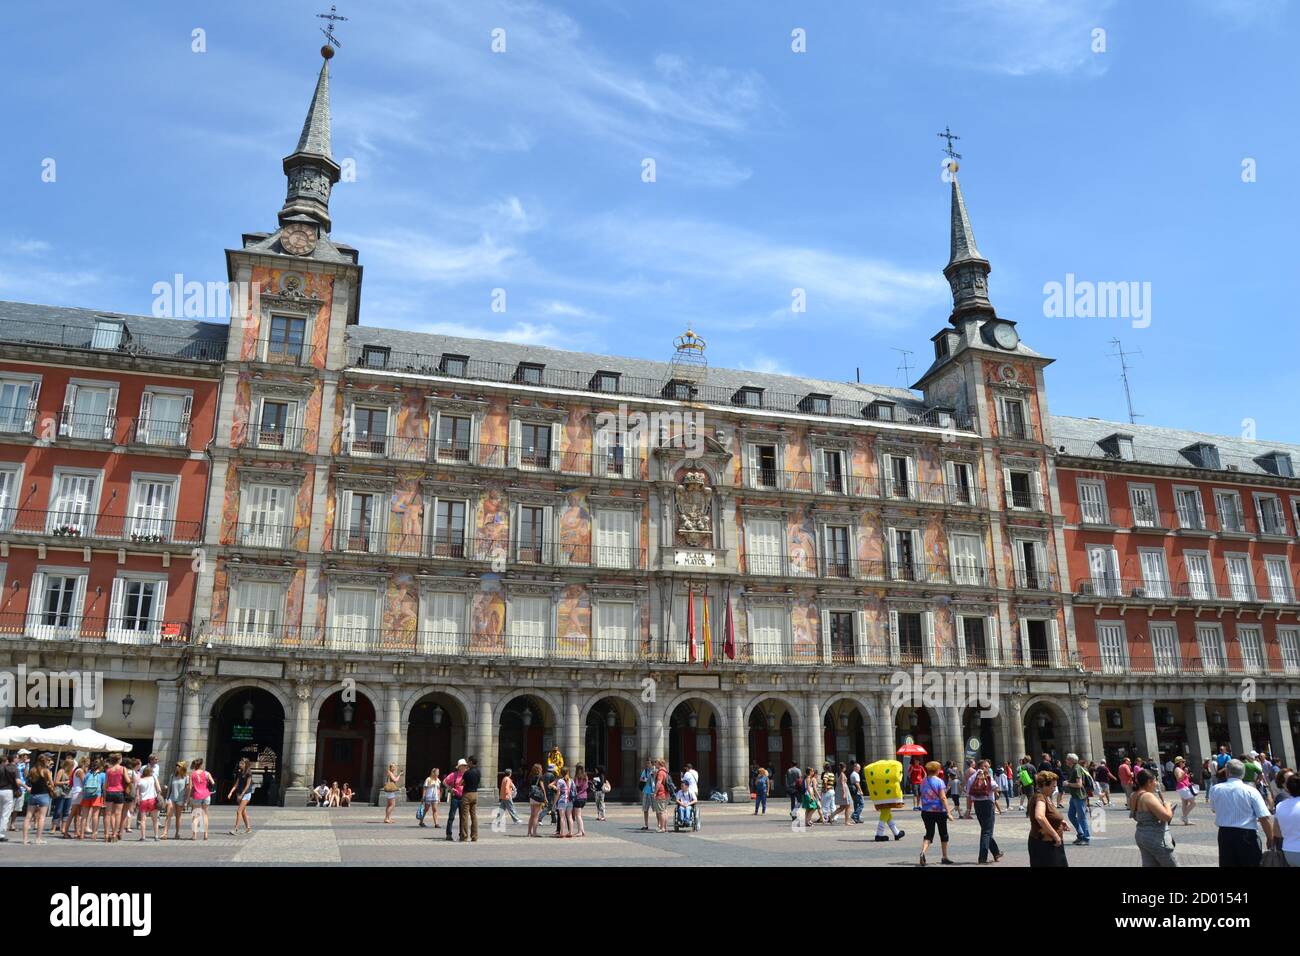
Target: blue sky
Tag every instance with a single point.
(775, 170)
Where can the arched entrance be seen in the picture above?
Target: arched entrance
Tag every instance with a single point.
(982, 729)
(915, 723)
(345, 742)
(247, 722)
(845, 730)
(1045, 732)
(771, 741)
(611, 742)
(435, 737)
(693, 739)
(526, 733)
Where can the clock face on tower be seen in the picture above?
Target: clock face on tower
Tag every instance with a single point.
(1005, 336)
(298, 238)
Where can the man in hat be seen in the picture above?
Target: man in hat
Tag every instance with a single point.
(21, 767)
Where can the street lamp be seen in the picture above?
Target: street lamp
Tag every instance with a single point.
(248, 710)
(437, 715)
(128, 702)
(349, 710)
(611, 719)
(692, 720)
(527, 718)
(771, 720)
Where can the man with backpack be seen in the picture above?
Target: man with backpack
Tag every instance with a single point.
(792, 778)
(1077, 783)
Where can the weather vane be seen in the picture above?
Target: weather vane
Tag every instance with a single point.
(332, 17)
(949, 135)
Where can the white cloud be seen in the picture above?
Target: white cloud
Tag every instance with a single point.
(520, 333)
(1026, 37)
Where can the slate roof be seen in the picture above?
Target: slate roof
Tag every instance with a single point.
(1153, 444)
(315, 136)
(586, 364)
(56, 325)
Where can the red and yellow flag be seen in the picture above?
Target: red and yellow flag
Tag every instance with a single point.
(708, 635)
(690, 620)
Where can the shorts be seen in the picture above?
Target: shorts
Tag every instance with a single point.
(92, 801)
(116, 796)
(647, 801)
(661, 806)
(390, 795)
(148, 806)
(39, 800)
(578, 804)
(246, 796)
(1186, 793)
(201, 801)
(935, 819)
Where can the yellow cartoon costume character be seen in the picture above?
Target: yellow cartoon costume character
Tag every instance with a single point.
(885, 788)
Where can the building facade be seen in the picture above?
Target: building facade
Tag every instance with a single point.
(413, 547)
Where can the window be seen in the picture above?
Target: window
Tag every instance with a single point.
(1288, 639)
(18, 404)
(9, 481)
(257, 609)
(610, 460)
(72, 505)
(57, 600)
(534, 446)
(1250, 638)
(529, 620)
(762, 466)
(1114, 649)
(975, 640)
(286, 341)
(1031, 565)
(369, 431)
(1103, 565)
(605, 382)
(1209, 637)
(961, 485)
(837, 551)
(831, 473)
(816, 404)
(1191, 515)
(531, 541)
(136, 610)
(1164, 647)
(615, 631)
(1241, 583)
(1228, 504)
(767, 634)
(911, 637)
(353, 622)
(444, 620)
(449, 528)
(682, 391)
(151, 509)
(529, 373)
(273, 424)
(1281, 590)
(1295, 513)
(1272, 519)
(1013, 423)
(263, 523)
(1277, 463)
(453, 437)
(89, 412)
(899, 468)
(1092, 502)
(967, 559)
(455, 365)
(108, 334)
(748, 397)
(164, 418)
(1155, 572)
(840, 631)
(1203, 455)
(1022, 487)
(1142, 499)
(879, 411)
(362, 522)
(763, 550)
(374, 356)
(1200, 582)
(615, 539)
(904, 551)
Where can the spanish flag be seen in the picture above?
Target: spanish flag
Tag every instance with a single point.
(708, 636)
(729, 631)
(690, 620)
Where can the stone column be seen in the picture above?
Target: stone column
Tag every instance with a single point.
(737, 748)
(882, 743)
(392, 737)
(485, 739)
(1016, 730)
(1198, 736)
(1093, 739)
(164, 725)
(302, 758)
(189, 747)
(1147, 741)
(572, 730)
(955, 745)
(814, 736)
(1239, 727)
(1281, 740)
(652, 733)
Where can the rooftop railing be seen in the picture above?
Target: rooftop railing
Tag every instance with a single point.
(113, 341)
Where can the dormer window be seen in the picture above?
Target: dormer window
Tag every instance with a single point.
(109, 334)
(679, 390)
(529, 373)
(454, 365)
(816, 404)
(374, 356)
(941, 349)
(605, 382)
(1203, 455)
(879, 412)
(1118, 446)
(748, 397)
(1277, 463)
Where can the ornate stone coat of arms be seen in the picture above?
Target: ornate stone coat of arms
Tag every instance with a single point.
(695, 510)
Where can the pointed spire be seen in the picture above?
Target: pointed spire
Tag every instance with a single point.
(310, 169)
(967, 270)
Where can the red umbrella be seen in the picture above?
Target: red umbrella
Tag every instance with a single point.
(912, 750)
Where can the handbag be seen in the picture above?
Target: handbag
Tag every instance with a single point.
(605, 787)
(1273, 857)
(419, 811)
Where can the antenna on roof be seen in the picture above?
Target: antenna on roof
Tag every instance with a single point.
(904, 366)
(1123, 372)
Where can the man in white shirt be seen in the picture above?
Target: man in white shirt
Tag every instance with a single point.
(855, 791)
(1237, 810)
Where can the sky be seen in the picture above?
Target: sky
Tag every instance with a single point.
(1112, 141)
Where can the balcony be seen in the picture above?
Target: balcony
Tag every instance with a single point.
(17, 419)
(1028, 579)
(1132, 589)
(71, 526)
(1017, 430)
(274, 439)
(88, 426)
(156, 433)
(454, 547)
(616, 464)
(284, 352)
(258, 534)
(362, 359)
(56, 626)
(1024, 499)
(117, 341)
(1100, 516)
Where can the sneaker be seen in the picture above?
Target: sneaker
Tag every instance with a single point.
(900, 834)
(882, 839)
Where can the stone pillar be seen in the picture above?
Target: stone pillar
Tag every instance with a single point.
(1093, 739)
(814, 736)
(392, 738)
(954, 745)
(572, 730)
(190, 745)
(1147, 742)
(652, 733)
(1281, 741)
(1239, 727)
(883, 747)
(1016, 729)
(485, 740)
(164, 724)
(302, 757)
(1198, 736)
(737, 784)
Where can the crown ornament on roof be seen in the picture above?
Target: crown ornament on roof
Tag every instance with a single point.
(689, 363)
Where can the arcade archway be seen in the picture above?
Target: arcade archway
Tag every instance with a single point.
(435, 737)
(526, 731)
(693, 738)
(345, 742)
(611, 743)
(771, 740)
(247, 722)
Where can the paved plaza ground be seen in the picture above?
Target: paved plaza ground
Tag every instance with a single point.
(730, 836)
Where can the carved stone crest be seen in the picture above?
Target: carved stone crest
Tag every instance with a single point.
(695, 510)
